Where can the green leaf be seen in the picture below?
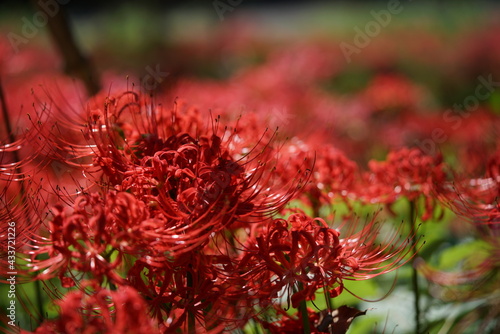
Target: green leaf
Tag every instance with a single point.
(471, 252)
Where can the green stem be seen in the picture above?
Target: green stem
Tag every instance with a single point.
(329, 302)
(415, 285)
(255, 328)
(304, 315)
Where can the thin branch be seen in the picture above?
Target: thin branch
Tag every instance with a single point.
(76, 64)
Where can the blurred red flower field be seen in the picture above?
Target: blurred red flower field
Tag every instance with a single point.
(250, 168)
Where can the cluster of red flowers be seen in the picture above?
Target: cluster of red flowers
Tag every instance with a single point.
(182, 217)
(141, 217)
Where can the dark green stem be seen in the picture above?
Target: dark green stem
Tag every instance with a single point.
(415, 286)
(329, 303)
(304, 315)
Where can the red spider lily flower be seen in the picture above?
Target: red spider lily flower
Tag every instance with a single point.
(23, 199)
(94, 237)
(460, 285)
(101, 311)
(475, 278)
(194, 183)
(476, 199)
(20, 165)
(333, 175)
(392, 93)
(30, 178)
(300, 255)
(406, 173)
(79, 241)
(191, 287)
(168, 190)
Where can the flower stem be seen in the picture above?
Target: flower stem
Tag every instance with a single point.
(329, 303)
(415, 286)
(304, 315)
(191, 323)
(191, 317)
(6, 118)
